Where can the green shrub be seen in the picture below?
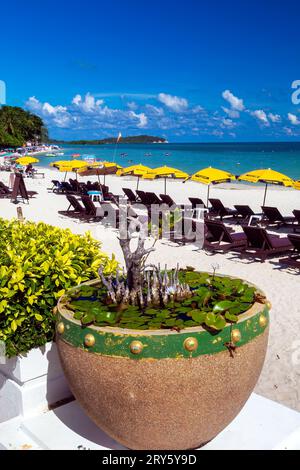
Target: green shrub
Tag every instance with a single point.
(38, 262)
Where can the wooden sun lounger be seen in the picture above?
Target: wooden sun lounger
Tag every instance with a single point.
(219, 210)
(272, 216)
(220, 238)
(294, 256)
(261, 244)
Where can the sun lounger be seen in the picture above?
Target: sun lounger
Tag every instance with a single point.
(142, 196)
(272, 216)
(77, 207)
(130, 195)
(245, 213)
(294, 256)
(219, 210)
(196, 201)
(261, 244)
(220, 238)
(297, 220)
(152, 198)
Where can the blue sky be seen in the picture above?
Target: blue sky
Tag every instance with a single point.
(188, 70)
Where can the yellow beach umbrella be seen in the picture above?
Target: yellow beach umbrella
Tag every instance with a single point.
(297, 184)
(210, 176)
(104, 165)
(165, 172)
(26, 160)
(69, 165)
(267, 176)
(135, 170)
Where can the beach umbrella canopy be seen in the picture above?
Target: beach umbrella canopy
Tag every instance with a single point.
(297, 184)
(267, 176)
(98, 171)
(104, 165)
(135, 170)
(210, 176)
(69, 165)
(26, 160)
(165, 172)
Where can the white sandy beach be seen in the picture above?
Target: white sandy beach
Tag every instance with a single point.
(280, 379)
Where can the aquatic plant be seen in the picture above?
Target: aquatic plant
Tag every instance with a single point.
(146, 297)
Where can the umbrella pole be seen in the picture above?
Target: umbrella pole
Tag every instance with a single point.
(265, 195)
(208, 188)
(137, 185)
(104, 180)
(65, 176)
(165, 185)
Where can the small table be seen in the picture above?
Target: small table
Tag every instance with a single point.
(95, 195)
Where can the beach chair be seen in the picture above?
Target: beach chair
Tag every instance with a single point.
(272, 216)
(294, 257)
(219, 210)
(219, 237)
(130, 195)
(245, 213)
(166, 199)
(5, 192)
(152, 198)
(196, 201)
(78, 210)
(77, 207)
(107, 195)
(142, 196)
(297, 220)
(261, 244)
(56, 186)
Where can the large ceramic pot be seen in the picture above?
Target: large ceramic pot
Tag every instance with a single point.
(163, 389)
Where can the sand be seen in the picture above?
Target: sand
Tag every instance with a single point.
(280, 378)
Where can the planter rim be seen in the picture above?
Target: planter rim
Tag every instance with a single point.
(140, 344)
(68, 314)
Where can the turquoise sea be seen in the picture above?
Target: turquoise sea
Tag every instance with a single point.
(234, 157)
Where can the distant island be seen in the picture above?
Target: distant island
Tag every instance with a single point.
(135, 139)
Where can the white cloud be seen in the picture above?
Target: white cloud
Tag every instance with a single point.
(88, 104)
(77, 99)
(173, 102)
(261, 116)
(155, 110)
(143, 120)
(227, 123)
(293, 119)
(232, 113)
(235, 102)
(58, 115)
(48, 108)
(132, 105)
(274, 117)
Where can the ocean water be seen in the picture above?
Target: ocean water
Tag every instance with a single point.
(234, 157)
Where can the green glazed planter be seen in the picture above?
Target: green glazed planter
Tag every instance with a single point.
(162, 389)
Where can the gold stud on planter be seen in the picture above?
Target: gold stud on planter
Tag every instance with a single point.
(190, 344)
(60, 328)
(89, 340)
(268, 305)
(236, 336)
(262, 321)
(136, 347)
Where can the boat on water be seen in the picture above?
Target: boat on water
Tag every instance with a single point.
(148, 154)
